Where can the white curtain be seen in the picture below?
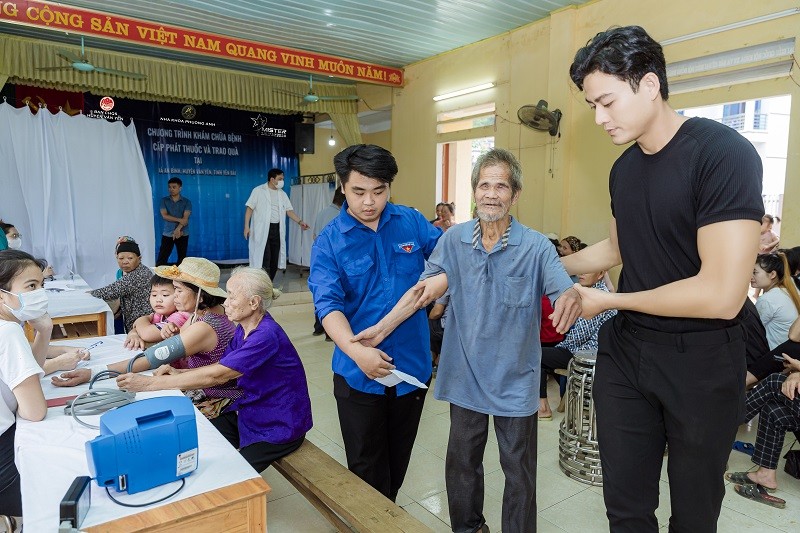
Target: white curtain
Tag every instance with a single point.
(307, 200)
(71, 186)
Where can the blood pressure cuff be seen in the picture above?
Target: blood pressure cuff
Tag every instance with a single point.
(165, 352)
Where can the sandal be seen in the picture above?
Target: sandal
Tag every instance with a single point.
(744, 447)
(546, 418)
(759, 494)
(740, 478)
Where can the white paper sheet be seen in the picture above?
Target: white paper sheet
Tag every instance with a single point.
(396, 377)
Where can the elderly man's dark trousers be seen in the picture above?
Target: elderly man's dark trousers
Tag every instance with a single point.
(652, 389)
(463, 474)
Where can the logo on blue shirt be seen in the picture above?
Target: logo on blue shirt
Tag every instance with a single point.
(408, 247)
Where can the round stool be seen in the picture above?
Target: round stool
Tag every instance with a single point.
(578, 454)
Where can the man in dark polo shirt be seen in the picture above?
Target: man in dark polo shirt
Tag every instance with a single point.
(686, 210)
(175, 210)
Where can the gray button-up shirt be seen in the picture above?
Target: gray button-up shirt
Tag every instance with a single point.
(491, 354)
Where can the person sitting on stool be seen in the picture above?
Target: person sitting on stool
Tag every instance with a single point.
(581, 338)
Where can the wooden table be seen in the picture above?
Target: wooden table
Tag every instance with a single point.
(75, 326)
(240, 507)
(223, 494)
(75, 312)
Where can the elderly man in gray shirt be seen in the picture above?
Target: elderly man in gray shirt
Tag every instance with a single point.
(497, 271)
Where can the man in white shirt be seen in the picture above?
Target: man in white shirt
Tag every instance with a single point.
(267, 208)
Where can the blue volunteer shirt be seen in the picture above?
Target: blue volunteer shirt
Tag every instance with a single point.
(363, 273)
(491, 355)
(175, 209)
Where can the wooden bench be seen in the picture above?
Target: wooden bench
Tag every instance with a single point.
(344, 499)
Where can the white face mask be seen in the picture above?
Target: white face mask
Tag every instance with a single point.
(32, 305)
(15, 244)
(279, 184)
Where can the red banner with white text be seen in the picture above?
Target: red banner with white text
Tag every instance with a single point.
(87, 22)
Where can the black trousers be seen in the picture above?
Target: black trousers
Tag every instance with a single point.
(652, 389)
(767, 364)
(181, 243)
(378, 432)
(10, 495)
(272, 251)
(259, 454)
(552, 358)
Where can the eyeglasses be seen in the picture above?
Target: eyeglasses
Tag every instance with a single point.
(15, 235)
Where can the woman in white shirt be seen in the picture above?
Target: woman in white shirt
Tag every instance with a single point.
(22, 298)
(779, 306)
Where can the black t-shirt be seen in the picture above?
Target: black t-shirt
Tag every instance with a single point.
(707, 173)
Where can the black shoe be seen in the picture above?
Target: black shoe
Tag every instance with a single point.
(318, 332)
(327, 338)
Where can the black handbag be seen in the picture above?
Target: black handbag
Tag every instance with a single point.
(792, 466)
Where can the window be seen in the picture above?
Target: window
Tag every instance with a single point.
(733, 115)
(467, 118)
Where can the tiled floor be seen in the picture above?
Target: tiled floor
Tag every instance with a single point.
(563, 504)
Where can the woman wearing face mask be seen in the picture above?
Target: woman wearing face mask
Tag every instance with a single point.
(21, 298)
(34, 312)
(201, 341)
(12, 236)
(133, 288)
(12, 239)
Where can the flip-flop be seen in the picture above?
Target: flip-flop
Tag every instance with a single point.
(757, 493)
(740, 478)
(546, 418)
(744, 447)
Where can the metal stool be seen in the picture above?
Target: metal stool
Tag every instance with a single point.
(8, 523)
(578, 454)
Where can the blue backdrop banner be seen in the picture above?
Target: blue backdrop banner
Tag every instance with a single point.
(219, 154)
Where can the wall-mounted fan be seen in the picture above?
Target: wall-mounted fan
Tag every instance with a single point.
(82, 64)
(540, 118)
(311, 97)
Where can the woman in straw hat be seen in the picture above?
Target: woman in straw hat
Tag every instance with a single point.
(274, 413)
(203, 338)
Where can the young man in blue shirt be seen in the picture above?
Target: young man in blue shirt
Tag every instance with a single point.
(175, 210)
(362, 263)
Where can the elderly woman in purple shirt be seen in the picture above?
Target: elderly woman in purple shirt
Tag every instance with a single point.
(273, 414)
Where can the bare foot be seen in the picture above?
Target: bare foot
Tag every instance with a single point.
(763, 479)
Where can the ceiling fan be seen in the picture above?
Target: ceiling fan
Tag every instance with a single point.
(540, 118)
(311, 97)
(82, 64)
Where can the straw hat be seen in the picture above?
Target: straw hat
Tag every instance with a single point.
(197, 271)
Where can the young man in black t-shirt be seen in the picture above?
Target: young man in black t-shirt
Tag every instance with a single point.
(686, 211)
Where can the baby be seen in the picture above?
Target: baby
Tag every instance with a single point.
(165, 322)
(768, 242)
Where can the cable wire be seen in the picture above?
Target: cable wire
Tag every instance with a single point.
(168, 496)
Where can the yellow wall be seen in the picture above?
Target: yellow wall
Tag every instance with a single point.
(321, 161)
(566, 178)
